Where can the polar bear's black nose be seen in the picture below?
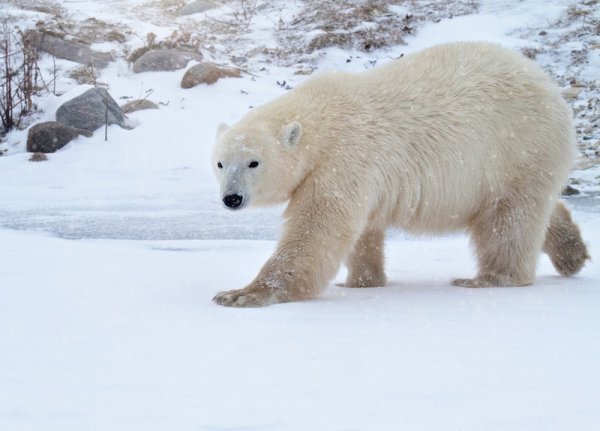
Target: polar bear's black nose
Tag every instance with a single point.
(233, 201)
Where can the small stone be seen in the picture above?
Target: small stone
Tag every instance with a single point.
(38, 157)
(571, 92)
(542, 33)
(238, 59)
(570, 191)
(303, 72)
(206, 73)
(138, 105)
(196, 7)
(256, 51)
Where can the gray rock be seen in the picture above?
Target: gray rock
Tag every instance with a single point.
(570, 191)
(69, 50)
(162, 60)
(196, 7)
(89, 111)
(138, 105)
(50, 136)
(206, 73)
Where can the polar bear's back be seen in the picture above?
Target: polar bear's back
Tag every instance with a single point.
(472, 89)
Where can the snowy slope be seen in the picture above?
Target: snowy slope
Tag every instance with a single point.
(105, 314)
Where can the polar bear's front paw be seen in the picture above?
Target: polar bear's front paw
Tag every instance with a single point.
(249, 297)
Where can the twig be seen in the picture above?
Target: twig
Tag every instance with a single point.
(106, 122)
(237, 68)
(231, 24)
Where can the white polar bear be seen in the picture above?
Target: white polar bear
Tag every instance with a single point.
(462, 136)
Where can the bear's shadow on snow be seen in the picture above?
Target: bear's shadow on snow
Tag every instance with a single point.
(395, 287)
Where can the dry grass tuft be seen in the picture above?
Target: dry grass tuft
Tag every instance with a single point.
(530, 52)
(38, 157)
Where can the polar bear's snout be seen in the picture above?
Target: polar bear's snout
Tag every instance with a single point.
(233, 188)
(233, 201)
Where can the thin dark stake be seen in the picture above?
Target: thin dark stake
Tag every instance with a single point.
(106, 122)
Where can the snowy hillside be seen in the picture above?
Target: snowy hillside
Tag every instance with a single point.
(111, 250)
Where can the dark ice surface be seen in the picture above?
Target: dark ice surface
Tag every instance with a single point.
(168, 223)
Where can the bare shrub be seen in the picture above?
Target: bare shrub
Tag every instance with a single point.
(137, 53)
(20, 77)
(246, 12)
(150, 43)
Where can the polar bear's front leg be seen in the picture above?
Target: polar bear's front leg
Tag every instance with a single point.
(315, 240)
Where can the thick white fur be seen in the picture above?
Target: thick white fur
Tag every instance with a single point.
(462, 136)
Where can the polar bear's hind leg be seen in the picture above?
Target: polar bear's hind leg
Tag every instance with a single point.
(507, 238)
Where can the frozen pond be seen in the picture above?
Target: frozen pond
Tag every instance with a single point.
(168, 223)
(144, 224)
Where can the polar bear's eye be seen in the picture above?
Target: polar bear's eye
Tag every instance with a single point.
(219, 165)
(253, 164)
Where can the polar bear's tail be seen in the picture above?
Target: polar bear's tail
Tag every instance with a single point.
(563, 243)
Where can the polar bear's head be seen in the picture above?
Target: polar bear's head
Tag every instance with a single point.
(258, 163)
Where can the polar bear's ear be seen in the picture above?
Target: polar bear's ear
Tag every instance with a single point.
(221, 128)
(291, 134)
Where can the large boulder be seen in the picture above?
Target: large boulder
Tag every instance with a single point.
(164, 60)
(91, 110)
(50, 136)
(196, 7)
(206, 73)
(69, 50)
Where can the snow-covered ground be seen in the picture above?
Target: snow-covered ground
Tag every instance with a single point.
(121, 335)
(111, 252)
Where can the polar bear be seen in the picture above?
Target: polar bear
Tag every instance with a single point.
(458, 137)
